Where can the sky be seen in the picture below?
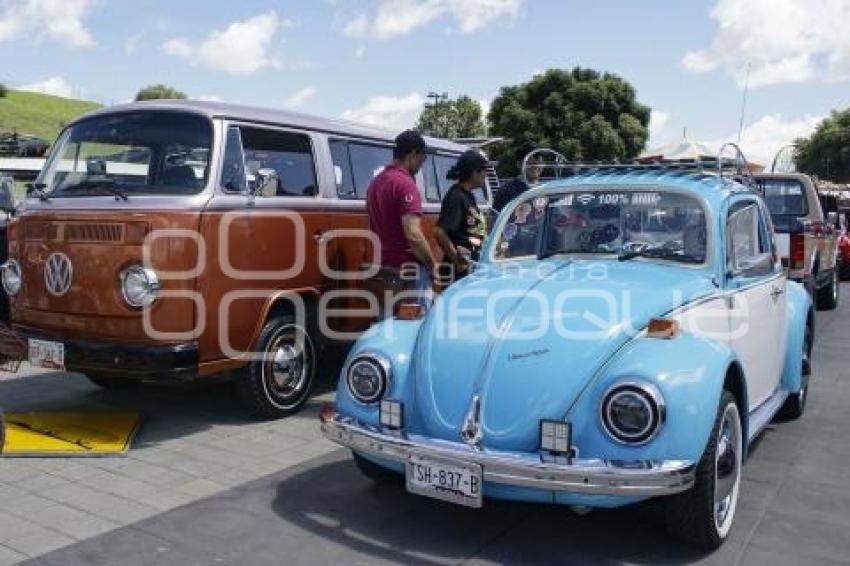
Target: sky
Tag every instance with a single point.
(376, 60)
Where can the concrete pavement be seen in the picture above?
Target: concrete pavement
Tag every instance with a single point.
(315, 508)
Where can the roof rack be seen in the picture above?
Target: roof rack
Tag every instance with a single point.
(557, 166)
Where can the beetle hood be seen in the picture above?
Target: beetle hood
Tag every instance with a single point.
(527, 340)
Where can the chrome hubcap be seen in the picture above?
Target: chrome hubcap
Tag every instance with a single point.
(287, 364)
(727, 469)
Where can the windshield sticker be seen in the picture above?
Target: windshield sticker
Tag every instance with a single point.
(521, 213)
(540, 203)
(616, 199)
(646, 199)
(511, 231)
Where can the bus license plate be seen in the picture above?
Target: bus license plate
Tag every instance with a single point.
(47, 354)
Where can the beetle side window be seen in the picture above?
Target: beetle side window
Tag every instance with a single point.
(366, 162)
(233, 178)
(343, 176)
(748, 249)
(288, 154)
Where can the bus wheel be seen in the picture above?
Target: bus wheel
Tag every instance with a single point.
(279, 384)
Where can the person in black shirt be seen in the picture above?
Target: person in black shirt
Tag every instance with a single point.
(461, 227)
(515, 187)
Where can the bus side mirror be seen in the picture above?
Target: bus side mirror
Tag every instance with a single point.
(7, 195)
(266, 183)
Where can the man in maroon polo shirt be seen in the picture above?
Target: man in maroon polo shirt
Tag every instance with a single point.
(394, 206)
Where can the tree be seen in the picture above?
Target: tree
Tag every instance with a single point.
(460, 118)
(582, 114)
(826, 153)
(159, 91)
(3, 90)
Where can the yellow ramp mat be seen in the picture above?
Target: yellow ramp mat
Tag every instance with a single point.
(70, 434)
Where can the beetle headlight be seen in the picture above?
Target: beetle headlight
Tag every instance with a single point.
(139, 286)
(368, 377)
(632, 412)
(10, 274)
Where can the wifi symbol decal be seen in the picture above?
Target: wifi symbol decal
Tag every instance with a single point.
(585, 199)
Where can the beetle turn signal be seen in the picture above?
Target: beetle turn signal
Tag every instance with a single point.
(663, 328)
(409, 311)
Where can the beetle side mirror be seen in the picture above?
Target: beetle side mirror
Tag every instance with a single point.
(266, 183)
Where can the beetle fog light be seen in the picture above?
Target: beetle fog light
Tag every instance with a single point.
(10, 274)
(139, 286)
(555, 437)
(392, 414)
(632, 413)
(367, 377)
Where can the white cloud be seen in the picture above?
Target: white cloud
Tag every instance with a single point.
(300, 98)
(400, 17)
(761, 139)
(784, 41)
(360, 52)
(59, 20)
(396, 113)
(242, 48)
(55, 86)
(658, 120)
(210, 98)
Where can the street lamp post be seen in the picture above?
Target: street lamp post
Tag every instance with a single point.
(438, 100)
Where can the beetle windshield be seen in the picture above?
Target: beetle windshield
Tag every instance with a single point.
(654, 224)
(132, 153)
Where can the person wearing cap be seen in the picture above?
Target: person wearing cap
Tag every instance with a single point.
(394, 208)
(515, 187)
(462, 227)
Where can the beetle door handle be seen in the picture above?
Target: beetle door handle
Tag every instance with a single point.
(321, 238)
(776, 291)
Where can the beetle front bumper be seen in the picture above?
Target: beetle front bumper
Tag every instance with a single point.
(639, 478)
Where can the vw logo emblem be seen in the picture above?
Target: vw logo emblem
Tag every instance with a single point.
(58, 272)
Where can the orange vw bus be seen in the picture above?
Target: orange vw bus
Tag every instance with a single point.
(172, 240)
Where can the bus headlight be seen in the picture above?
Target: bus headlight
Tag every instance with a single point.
(10, 273)
(139, 286)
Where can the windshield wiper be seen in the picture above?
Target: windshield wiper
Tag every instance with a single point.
(38, 190)
(659, 252)
(549, 253)
(106, 184)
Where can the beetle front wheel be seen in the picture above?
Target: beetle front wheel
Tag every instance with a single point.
(703, 515)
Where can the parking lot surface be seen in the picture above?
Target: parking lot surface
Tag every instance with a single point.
(206, 485)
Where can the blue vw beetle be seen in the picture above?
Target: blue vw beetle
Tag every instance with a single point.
(627, 334)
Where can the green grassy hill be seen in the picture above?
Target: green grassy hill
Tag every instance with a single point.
(39, 114)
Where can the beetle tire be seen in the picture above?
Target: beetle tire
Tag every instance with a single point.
(256, 385)
(112, 383)
(690, 515)
(827, 297)
(795, 405)
(374, 472)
